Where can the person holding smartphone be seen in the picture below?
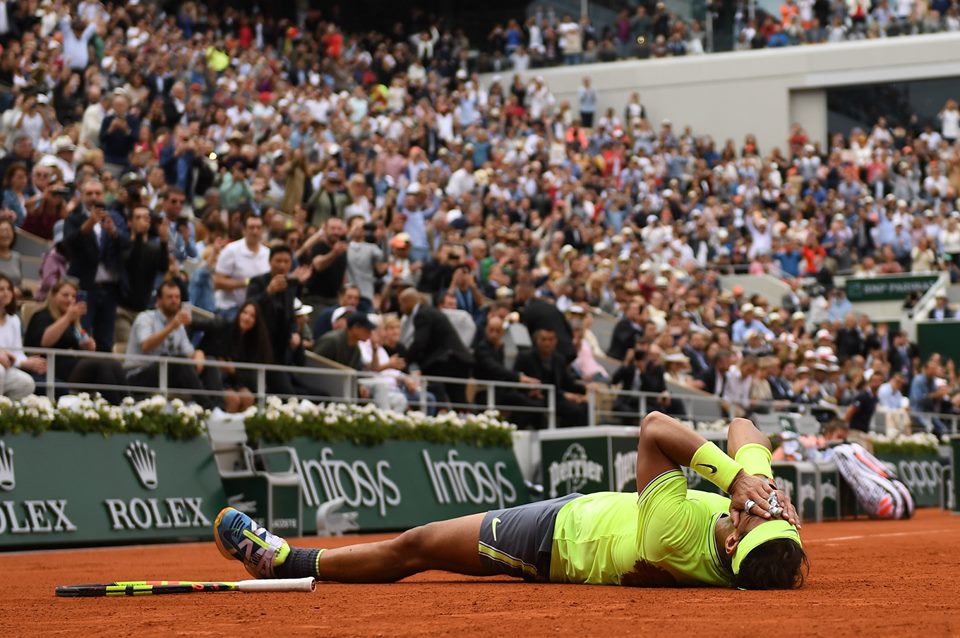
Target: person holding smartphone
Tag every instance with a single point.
(275, 292)
(96, 239)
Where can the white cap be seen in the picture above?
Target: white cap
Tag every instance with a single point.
(338, 313)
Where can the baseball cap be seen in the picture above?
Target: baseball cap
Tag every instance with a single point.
(301, 309)
(339, 312)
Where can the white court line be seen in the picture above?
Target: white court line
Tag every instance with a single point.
(887, 535)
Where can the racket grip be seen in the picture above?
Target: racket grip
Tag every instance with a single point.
(307, 584)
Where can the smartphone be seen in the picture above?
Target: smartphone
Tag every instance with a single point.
(81, 296)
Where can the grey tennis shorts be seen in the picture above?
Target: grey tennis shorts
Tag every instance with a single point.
(517, 541)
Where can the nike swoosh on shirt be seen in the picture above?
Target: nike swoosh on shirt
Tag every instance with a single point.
(493, 524)
(712, 468)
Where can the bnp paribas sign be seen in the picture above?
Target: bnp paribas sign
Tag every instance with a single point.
(65, 488)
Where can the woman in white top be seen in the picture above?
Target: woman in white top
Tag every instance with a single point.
(950, 121)
(949, 238)
(15, 366)
(923, 258)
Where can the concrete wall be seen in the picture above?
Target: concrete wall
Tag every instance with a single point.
(767, 285)
(728, 95)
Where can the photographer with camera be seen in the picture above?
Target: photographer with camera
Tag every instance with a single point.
(44, 211)
(365, 260)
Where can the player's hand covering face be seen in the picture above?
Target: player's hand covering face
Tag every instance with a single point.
(755, 491)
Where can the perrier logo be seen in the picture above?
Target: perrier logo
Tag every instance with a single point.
(575, 469)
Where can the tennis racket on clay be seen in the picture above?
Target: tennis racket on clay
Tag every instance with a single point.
(161, 587)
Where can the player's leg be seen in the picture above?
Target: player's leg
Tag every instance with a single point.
(447, 545)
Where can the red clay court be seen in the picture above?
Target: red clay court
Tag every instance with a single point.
(868, 578)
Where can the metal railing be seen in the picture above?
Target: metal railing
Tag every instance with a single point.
(605, 404)
(353, 381)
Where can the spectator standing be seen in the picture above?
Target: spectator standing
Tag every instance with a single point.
(365, 261)
(144, 261)
(859, 414)
(118, 134)
(588, 103)
(239, 262)
(571, 38)
(95, 239)
(182, 233)
(276, 292)
(626, 331)
(326, 252)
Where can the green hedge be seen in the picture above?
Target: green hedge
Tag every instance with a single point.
(282, 421)
(94, 415)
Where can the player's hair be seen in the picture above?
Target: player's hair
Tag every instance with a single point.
(777, 564)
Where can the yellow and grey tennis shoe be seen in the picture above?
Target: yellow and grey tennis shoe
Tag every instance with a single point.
(238, 536)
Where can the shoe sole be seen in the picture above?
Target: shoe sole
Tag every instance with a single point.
(216, 536)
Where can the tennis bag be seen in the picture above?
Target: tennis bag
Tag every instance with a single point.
(879, 493)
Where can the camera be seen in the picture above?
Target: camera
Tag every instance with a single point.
(370, 232)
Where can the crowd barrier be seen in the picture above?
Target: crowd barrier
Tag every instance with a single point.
(64, 488)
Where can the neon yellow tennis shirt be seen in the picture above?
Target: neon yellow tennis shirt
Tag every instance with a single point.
(663, 537)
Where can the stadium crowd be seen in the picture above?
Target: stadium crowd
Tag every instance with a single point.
(651, 30)
(370, 199)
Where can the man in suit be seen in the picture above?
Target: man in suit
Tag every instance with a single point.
(696, 352)
(436, 347)
(715, 377)
(642, 372)
(175, 105)
(544, 362)
(902, 355)
(95, 239)
(573, 234)
(537, 314)
(143, 260)
(490, 364)
(626, 331)
(942, 310)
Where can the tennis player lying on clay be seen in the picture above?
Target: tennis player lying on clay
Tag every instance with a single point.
(665, 536)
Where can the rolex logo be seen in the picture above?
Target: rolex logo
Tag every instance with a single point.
(144, 462)
(7, 479)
